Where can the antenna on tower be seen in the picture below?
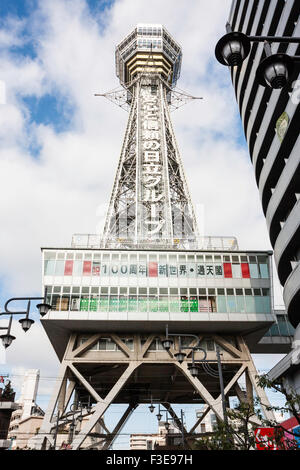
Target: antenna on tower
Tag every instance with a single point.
(122, 96)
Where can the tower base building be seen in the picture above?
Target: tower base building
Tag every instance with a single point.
(107, 327)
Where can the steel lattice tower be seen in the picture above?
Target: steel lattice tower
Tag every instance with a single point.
(150, 201)
(111, 298)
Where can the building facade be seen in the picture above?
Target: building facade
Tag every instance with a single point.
(27, 408)
(152, 441)
(270, 118)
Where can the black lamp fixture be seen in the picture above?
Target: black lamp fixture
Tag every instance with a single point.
(26, 323)
(7, 339)
(159, 415)
(44, 308)
(151, 408)
(274, 71)
(232, 48)
(193, 369)
(167, 343)
(180, 357)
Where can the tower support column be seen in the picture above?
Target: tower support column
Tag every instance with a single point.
(141, 373)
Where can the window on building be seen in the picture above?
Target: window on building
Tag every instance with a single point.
(149, 445)
(213, 421)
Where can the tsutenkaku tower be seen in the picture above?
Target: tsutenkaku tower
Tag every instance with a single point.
(150, 201)
(114, 298)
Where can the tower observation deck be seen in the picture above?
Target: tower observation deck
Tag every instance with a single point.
(111, 297)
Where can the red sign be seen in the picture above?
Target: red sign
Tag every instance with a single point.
(87, 268)
(245, 270)
(152, 269)
(266, 439)
(68, 268)
(227, 270)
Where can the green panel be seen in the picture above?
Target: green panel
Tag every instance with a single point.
(174, 304)
(103, 304)
(113, 303)
(84, 304)
(123, 304)
(163, 304)
(193, 304)
(184, 304)
(143, 304)
(132, 304)
(153, 304)
(93, 305)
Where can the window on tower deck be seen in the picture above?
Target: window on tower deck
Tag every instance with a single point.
(253, 267)
(249, 301)
(104, 299)
(59, 267)
(221, 301)
(240, 301)
(212, 300)
(231, 301)
(263, 267)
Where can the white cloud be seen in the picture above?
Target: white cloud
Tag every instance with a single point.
(10, 33)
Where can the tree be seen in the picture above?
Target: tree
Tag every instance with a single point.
(8, 393)
(239, 434)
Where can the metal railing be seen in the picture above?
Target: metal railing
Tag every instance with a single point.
(202, 243)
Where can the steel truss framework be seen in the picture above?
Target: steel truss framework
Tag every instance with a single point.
(133, 375)
(131, 204)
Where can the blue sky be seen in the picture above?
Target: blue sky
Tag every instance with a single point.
(60, 145)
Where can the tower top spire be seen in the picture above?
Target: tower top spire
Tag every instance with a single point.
(150, 48)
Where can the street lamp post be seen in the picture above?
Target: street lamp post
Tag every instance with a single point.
(25, 322)
(65, 419)
(274, 71)
(167, 424)
(73, 410)
(222, 386)
(193, 367)
(56, 431)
